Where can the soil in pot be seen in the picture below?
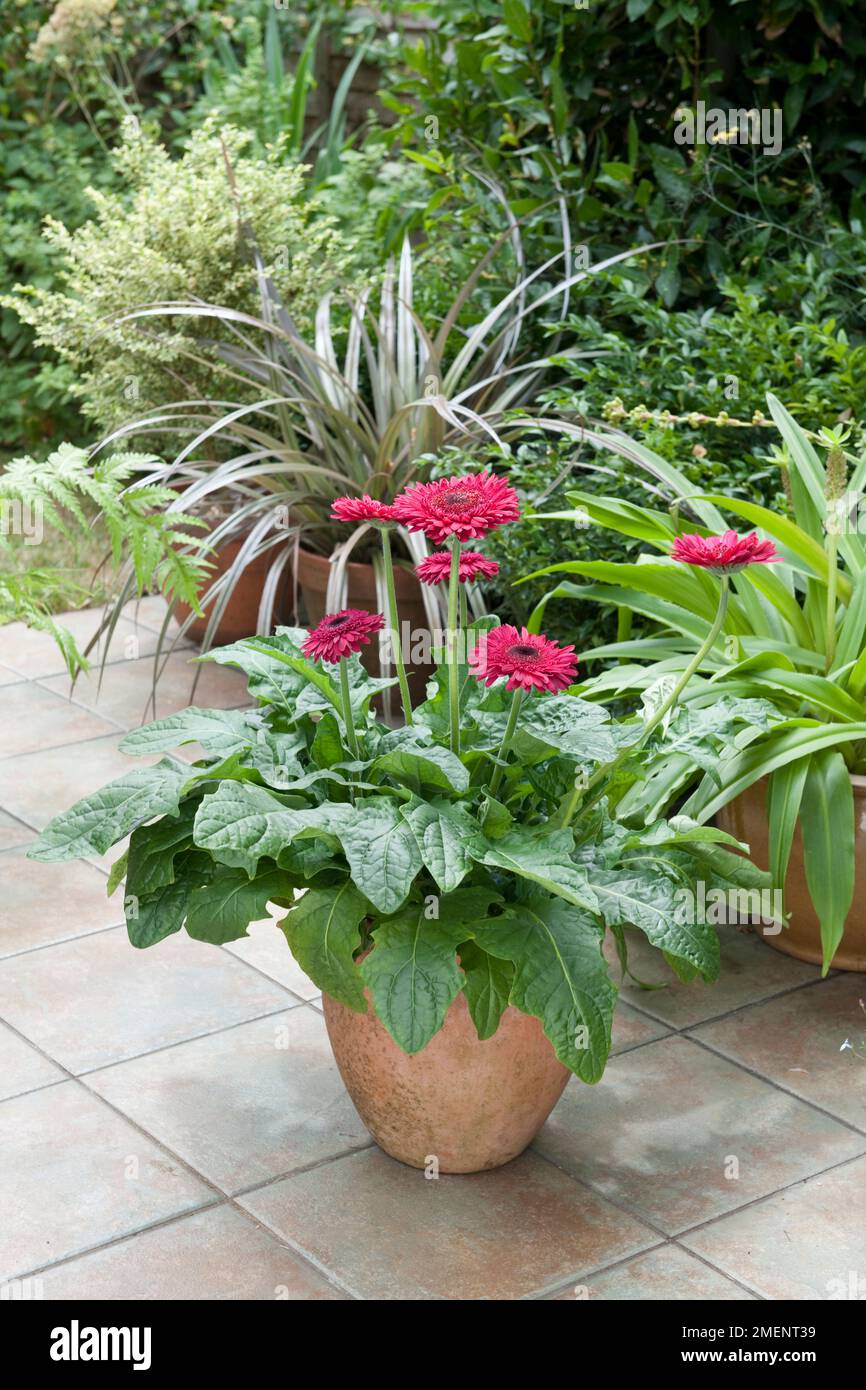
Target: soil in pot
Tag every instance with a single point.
(746, 819)
(313, 574)
(469, 1105)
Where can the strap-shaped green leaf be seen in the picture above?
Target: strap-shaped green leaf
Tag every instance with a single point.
(784, 795)
(827, 824)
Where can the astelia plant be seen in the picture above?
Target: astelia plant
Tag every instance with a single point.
(474, 848)
(794, 635)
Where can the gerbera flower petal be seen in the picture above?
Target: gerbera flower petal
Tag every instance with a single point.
(341, 634)
(364, 508)
(529, 660)
(466, 507)
(725, 554)
(436, 569)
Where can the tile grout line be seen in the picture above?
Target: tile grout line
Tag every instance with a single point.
(768, 1196)
(759, 1076)
(221, 1197)
(152, 1052)
(729, 1013)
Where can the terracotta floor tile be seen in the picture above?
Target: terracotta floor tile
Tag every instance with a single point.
(74, 1175)
(22, 1068)
(806, 1243)
(36, 786)
(13, 833)
(97, 999)
(32, 718)
(215, 1254)
(125, 692)
(631, 1028)
(796, 1039)
(667, 1122)
(267, 949)
(667, 1274)
(35, 654)
(44, 903)
(242, 1106)
(388, 1232)
(751, 970)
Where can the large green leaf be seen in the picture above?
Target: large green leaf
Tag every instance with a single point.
(268, 679)
(413, 975)
(322, 932)
(153, 848)
(222, 909)
(560, 977)
(541, 856)
(417, 765)
(827, 825)
(487, 988)
(382, 851)
(666, 915)
(441, 831)
(219, 731)
(570, 725)
(239, 824)
(98, 821)
(784, 795)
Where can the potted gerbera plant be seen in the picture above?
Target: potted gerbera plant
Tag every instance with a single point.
(793, 634)
(449, 884)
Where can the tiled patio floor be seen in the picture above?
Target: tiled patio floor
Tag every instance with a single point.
(173, 1125)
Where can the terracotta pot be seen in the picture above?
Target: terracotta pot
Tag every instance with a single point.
(240, 615)
(746, 818)
(470, 1105)
(313, 574)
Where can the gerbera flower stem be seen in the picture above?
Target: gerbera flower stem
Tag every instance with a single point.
(451, 652)
(603, 774)
(348, 720)
(394, 620)
(516, 702)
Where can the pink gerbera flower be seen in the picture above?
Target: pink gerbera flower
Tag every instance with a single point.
(340, 634)
(529, 660)
(437, 568)
(466, 507)
(364, 508)
(727, 554)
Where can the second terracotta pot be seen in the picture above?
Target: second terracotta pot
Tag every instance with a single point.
(313, 574)
(465, 1104)
(746, 819)
(240, 615)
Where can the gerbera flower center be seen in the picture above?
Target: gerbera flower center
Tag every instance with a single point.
(523, 651)
(460, 500)
(339, 621)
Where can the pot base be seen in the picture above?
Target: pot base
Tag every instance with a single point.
(465, 1105)
(746, 819)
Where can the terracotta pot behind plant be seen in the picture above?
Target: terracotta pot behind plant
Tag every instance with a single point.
(240, 615)
(313, 574)
(746, 818)
(470, 1105)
